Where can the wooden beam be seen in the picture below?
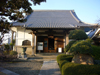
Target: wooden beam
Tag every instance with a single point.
(50, 32)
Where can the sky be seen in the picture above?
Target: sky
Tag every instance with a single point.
(87, 10)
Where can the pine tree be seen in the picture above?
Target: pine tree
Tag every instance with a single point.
(14, 10)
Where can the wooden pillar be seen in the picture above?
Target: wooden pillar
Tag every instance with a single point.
(15, 38)
(33, 38)
(35, 45)
(67, 39)
(12, 37)
(14, 48)
(64, 43)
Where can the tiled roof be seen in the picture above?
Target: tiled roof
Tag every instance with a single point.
(52, 19)
(92, 33)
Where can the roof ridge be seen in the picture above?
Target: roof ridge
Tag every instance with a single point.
(90, 23)
(96, 31)
(51, 10)
(75, 16)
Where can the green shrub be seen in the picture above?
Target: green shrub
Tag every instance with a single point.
(81, 47)
(62, 59)
(9, 55)
(11, 45)
(13, 42)
(61, 63)
(7, 47)
(95, 52)
(68, 68)
(9, 58)
(13, 53)
(89, 40)
(6, 52)
(78, 35)
(78, 69)
(69, 45)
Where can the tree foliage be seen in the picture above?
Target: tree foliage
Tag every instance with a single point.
(38, 1)
(81, 47)
(77, 35)
(14, 10)
(69, 45)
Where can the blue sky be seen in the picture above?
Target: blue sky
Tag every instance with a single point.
(87, 10)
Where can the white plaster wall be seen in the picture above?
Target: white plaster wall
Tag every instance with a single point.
(21, 35)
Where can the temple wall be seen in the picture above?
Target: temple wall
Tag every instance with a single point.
(21, 35)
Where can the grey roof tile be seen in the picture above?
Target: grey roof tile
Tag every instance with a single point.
(52, 19)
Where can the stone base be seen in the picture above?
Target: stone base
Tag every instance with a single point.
(24, 56)
(67, 53)
(19, 55)
(83, 59)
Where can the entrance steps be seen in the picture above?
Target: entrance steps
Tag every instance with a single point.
(44, 56)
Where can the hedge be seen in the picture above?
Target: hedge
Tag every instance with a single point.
(13, 53)
(95, 52)
(62, 59)
(78, 69)
(68, 68)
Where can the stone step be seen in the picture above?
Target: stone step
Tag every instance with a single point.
(48, 54)
(53, 57)
(45, 56)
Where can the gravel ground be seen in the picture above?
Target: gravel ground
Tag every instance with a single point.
(23, 67)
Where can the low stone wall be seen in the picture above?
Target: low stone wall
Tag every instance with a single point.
(83, 59)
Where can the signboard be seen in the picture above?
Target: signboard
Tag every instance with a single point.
(40, 45)
(59, 49)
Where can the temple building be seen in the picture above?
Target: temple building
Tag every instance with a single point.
(47, 31)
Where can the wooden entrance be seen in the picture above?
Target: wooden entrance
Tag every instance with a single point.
(51, 44)
(46, 45)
